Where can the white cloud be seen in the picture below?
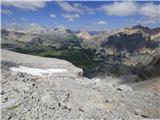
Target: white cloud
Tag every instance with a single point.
(32, 24)
(6, 11)
(142, 20)
(130, 8)
(150, 10)
(71, 17)
(147, 21)
(101, 22)
(24, 4)
(96, 26)
(23, 19)
(120, 8)
(70, 8)
(75, 8)
(13, 23)
(52, 15)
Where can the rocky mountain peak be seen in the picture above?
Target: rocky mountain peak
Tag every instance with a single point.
(84, 35)
(151, 31)
(33, 29)
(61, 29)
(139, 27)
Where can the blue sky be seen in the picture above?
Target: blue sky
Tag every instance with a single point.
(86, 15)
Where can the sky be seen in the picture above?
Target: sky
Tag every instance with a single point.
(80, 15)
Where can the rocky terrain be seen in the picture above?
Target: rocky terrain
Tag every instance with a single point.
(48, 88)
(80, 60)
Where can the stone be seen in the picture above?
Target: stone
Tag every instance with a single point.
(67, 95)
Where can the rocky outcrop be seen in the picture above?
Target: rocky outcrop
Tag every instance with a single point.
(151, 70)
(147, 30)
(84, 35)
(131, 43)
(38, 63)
(153, 32)
(66, 95)
(136, 38)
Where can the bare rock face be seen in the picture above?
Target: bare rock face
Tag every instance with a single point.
(135, 39)
(84, 35)
(40, 63)
(131, 43)
(35, 88)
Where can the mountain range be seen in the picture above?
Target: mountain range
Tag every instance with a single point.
(85, 50)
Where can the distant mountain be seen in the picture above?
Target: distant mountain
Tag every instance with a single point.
(30, 29)
(154, 33)
(127, 46)
(56, 37)
(84, 35)
(147, 29)
(60, 30)
(131, 39)
(134, 39)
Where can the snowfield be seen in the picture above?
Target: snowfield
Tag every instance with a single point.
(37, 71)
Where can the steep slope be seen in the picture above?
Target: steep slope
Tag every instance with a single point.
(130, 43)
(151, 69)
(135, 39)
(154, 33)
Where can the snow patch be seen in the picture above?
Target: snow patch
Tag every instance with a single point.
(8, 104)
(37, 71)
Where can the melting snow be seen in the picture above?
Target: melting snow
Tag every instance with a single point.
(37, 71)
